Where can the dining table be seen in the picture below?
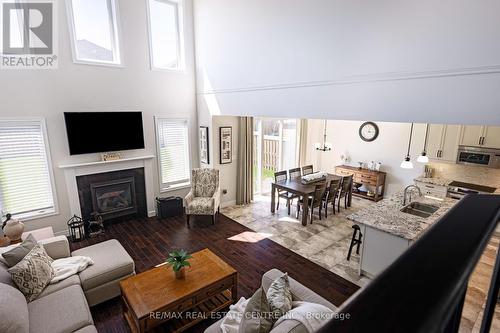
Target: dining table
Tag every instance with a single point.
(295, 186)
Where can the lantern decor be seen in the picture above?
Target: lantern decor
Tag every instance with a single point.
(76, 228)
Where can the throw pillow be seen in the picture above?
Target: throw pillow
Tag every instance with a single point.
(32, 274)
(15, 255)
(257, 315)
(279, 296)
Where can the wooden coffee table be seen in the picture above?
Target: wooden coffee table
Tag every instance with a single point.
(156, 297)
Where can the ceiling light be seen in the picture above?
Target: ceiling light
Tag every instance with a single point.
(325, 146)
(407, 164)
(424, 158)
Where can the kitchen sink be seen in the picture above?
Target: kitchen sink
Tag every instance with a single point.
(420, 209)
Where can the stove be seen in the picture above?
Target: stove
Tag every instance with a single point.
(458, 190)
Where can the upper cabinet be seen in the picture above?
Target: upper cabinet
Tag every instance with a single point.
(487, 136)
(442, 142)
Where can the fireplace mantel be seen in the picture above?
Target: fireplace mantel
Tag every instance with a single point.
(71, 171)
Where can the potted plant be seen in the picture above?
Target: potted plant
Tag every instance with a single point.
(179, 261)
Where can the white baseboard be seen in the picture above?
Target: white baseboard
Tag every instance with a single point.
(62, 233)
(152, 213)
(227, 203)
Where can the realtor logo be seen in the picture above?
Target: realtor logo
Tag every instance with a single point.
(28, 35)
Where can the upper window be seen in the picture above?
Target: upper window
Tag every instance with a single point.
(172, 138)
(94, 29)
(26, 185)
(165, 29)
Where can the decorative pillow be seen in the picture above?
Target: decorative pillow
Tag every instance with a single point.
(279, 296)
(257, 317)
(32, 274)
(17, 253)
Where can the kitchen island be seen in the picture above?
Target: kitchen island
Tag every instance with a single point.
(388, 232)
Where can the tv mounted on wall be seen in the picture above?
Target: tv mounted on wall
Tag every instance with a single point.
(97, 132)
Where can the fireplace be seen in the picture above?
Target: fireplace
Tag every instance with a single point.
(114, 195)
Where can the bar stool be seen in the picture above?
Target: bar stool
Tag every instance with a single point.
(355, 240)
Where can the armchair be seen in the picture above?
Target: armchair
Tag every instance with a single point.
(204, 197)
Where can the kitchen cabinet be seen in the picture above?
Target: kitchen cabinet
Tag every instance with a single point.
(442, 142)
(487, 136)
(432, 190)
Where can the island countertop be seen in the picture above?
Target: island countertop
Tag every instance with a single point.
(386, 216)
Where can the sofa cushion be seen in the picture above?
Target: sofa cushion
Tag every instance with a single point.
(33, 273)
(289, 326)
(17, 253)
(257, 317)
(299, 291)
(5, 275)
(63, 311)
(111, 262)
(87, 329)
(73, 280)
(201, 206)
(279, 296)
(14, 316)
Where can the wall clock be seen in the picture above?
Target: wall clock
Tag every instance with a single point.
(368, 131)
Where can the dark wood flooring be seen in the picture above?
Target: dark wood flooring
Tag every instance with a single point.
(149, 241)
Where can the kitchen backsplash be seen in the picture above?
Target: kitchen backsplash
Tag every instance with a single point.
(469, 174)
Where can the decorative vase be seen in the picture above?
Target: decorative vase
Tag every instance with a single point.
(181, 273)
(13, 229)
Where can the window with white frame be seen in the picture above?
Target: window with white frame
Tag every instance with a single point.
(94, 31)
(165, 34)
(172, 136)
(26, 184)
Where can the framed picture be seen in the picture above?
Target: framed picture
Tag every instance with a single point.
(226, 144)
(204, 152)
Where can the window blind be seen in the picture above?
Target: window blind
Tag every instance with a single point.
(173, 151)
(25, 182)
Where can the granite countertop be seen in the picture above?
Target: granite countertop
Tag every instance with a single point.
(386, 216)
(434, 181)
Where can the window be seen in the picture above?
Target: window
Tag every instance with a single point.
(94, 30)
(26, 186)
(172, 137)
(165, 34)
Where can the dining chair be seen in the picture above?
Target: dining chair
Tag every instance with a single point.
(331, 194)
(306, 170)
(294, 173)
(345, 188)
(316, 201)
(280, 176)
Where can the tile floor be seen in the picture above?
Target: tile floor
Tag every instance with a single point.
(324, 242)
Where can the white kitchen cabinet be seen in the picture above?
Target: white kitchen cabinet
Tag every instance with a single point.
(471, 135)
(432, 190)
(491, 136)
(442, 142)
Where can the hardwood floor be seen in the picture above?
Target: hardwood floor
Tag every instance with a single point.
(149, 241)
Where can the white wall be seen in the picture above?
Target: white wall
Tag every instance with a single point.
(422, 61)
(389, 148)
(49, 93)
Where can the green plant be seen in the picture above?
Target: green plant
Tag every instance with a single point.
(178, 259)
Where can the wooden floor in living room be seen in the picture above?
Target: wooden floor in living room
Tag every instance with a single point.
(150, 240)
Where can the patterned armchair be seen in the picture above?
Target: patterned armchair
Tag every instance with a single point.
(204, 197)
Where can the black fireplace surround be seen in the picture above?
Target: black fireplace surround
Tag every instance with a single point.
(116, 195)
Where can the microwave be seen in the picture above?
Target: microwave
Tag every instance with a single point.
(479, 156)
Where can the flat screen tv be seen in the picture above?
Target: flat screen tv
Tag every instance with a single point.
(97, 132)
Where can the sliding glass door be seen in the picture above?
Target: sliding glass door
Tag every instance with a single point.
(275, 149)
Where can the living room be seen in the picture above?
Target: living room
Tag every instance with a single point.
(137, 133)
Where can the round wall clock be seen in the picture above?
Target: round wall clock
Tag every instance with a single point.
(368, 131)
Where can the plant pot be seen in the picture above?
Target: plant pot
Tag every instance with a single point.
(181, 273)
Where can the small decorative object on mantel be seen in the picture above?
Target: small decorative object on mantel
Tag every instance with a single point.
(226, 144)
(179, 261)
(313, 177)
(13, 229)
(111, 157)
(76, 228)
(204, 151)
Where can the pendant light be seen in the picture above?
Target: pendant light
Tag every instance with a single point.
(325, 146)
(423, 158)
(407, 164)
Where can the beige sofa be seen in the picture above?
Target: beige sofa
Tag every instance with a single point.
(64, 307)
(299, 293)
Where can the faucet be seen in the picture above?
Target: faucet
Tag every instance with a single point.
(406, 190)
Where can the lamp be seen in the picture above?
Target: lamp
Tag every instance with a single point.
(407, 164)
(423, 158)
(325, 146)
